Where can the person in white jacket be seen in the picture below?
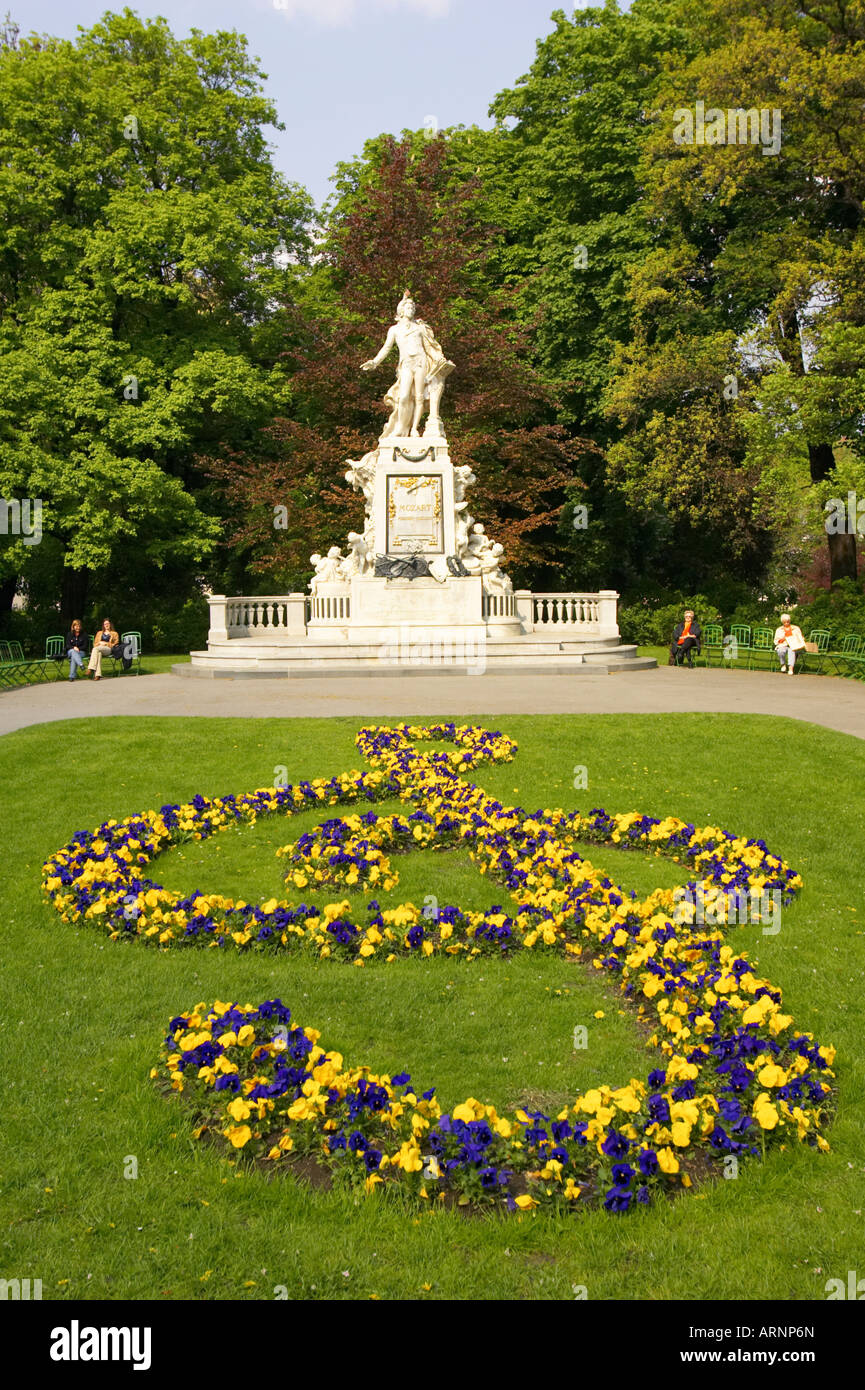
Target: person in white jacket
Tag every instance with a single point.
(788, 641)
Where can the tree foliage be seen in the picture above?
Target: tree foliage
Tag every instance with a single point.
(138, 257)
(410, 219)
(670, 333)
(757, 263)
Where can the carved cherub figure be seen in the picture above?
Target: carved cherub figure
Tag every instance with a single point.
(326, 568)
(358, 560)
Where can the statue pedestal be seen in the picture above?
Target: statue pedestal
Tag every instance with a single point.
(381, 610)
(412, 515)
(413, 501)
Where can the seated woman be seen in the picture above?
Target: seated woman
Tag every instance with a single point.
(788, 641)
(76, 647)
(106, 641)
(686, 639)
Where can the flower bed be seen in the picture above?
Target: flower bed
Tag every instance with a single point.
(734, 1075)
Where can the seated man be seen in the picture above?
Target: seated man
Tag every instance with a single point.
(106, 643)
(686, 640)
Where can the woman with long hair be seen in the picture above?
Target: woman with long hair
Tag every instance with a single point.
(76, 647)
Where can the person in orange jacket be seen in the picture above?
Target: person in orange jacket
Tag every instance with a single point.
(686, 640)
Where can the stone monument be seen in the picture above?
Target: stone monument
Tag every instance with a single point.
(422, 559)
(422, 587)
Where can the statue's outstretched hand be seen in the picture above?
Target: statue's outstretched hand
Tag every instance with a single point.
(368, 366)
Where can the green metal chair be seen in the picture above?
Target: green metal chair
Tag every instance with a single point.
(15, 661)
(762, 650)
(37, 666)
(55, 651)
(843, 659)
(131, 644)
(10, 670)
(854, 657)
(823, 640)
(21, 668)
(737, 643)
(711, 642)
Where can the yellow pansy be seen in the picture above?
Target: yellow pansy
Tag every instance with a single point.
(239, 1135)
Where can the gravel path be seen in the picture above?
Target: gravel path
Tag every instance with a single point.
(833, 702)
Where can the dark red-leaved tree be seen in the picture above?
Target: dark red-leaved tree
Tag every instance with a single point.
(410, 223)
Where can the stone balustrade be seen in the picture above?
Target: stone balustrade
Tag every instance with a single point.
(261, 616)
(499, 606)
(572, 610)
(592, 615)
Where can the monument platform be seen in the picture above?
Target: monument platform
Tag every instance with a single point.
(298, 635)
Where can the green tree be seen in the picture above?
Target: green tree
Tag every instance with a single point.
(757, 266)
(407, 217)
(145, 236)
(574, 128)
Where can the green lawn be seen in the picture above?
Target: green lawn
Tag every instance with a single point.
(81, 1021)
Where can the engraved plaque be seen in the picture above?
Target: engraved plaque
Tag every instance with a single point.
(414, 514)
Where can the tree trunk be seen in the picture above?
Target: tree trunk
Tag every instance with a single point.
(843, 562)
(73, 594)
(842, 547)
(7, 594)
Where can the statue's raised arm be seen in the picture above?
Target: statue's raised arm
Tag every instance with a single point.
(421, 374)
(380, 356)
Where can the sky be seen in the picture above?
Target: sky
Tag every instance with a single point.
(342, 71)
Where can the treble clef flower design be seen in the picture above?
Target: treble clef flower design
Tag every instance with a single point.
(733, 1074)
